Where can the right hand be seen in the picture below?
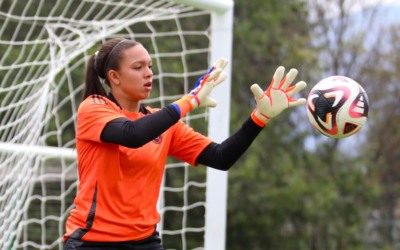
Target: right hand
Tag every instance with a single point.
(199, 96)
(277, 97)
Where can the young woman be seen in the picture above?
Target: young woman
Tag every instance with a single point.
(123, 146)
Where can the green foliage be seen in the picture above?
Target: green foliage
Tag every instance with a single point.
(380, 77)
(282, 196)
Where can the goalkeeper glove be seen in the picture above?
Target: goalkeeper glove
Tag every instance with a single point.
(277, 97)
(199, 96)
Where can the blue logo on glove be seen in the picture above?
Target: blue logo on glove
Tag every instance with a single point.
(198, 83)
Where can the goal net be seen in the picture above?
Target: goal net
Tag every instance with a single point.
(45, 46)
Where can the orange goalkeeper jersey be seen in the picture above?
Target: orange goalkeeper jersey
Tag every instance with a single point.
(119, 186)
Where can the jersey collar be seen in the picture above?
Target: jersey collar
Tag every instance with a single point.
(142, 109)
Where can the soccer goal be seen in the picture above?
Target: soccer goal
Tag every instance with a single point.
(44, 46)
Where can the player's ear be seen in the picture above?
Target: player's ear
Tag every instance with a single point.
(113, 77)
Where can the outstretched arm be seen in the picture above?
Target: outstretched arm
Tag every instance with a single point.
(270, 103)
(222, 156)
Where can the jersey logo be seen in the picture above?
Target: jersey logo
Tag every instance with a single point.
(158, 140)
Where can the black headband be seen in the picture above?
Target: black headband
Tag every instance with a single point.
(110, 54)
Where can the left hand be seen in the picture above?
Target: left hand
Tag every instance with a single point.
(199, 96)
(206, 83)
(277, 97)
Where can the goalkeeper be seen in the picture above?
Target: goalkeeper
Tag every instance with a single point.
(122, 145)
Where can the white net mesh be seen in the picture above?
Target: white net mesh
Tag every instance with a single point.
(44, 48)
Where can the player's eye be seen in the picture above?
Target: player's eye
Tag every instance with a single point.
(150, 66)
(138, 67)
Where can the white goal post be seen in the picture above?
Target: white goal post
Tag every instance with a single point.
(218, 128)
(36, 70)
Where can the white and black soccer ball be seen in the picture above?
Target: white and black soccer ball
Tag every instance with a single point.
(337, 107)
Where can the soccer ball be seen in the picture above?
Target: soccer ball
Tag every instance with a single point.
(337, 107)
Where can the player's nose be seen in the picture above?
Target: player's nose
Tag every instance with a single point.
(148, 73)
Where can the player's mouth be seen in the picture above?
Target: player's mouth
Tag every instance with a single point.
(148, 85)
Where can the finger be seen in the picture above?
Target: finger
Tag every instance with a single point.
(278, 77)
(224, 64)
(289, 79)
(298, 102)
(257, 91)
(297, 88)
(210, 103)
(214, 74)
(219, 63)
(220, 78)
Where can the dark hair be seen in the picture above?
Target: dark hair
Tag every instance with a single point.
(108, 58)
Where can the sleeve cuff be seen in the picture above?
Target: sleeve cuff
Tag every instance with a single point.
(257, 120)
(183, 105)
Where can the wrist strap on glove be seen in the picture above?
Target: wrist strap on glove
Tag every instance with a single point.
(257, 120)
(184, 105)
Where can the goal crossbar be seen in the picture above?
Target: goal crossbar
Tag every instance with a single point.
(210, 5)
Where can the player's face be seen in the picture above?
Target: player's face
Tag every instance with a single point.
(135, 73)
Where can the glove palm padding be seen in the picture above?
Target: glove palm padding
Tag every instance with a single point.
(278, 96)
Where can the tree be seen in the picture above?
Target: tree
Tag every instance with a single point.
(365, 53)
(284, 195)
(381, 77)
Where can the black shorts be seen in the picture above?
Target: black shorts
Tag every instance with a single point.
(151, 243)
